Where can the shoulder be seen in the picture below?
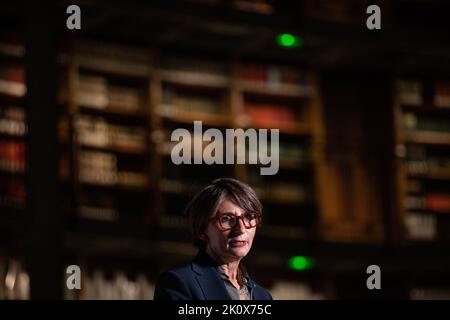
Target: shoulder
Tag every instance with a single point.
(174, 284)
(180, 271)
(181, 274)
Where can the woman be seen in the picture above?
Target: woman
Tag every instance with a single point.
(223, 218)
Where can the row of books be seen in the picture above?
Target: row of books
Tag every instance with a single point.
(100, 168)
(12, 156)
(14, 280)
(421, 226)
(272, 75)
(413, 122)
(174, 103)
(411, 92)
(429, 293)
(12, 192)
(11, 46)
(12, 81)
(96, 92)
(12, 121)
(98, 206)
(192, 65)
(442, 94)
(186, 187)
(420, 161)
(118, 287)
(435, 166)
(436, 202)
(280, 192)
(97, 132)
(283, 290)
(98, 213)
(292, 152)
(112, 58)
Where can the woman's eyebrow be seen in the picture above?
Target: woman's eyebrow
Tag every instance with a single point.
(232, 213)
(227, 212)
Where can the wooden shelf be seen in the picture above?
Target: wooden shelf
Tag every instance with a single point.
(9, 136)
(173, 186)
(290, 165)
(114, 67)
(426, 109)
(283, 201)
(194, 79)
(426, 211)
(444, 176)
(298, 129)
(281, 90)
(117, 187)
(114, 149)
(189, 118)
(12, 50)
(18, 172)
(113, 111)
(428, 137)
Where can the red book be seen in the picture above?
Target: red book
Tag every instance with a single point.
(270, 115)
(252, 72)
(438, 202)
(13, 74)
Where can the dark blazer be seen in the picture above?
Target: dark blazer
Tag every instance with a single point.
(199, 280)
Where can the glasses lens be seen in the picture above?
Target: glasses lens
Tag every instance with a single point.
(227, 221)
(250, 220)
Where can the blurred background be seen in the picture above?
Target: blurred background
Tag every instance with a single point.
(86, 115)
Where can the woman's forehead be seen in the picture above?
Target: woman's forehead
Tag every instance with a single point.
(229, 206)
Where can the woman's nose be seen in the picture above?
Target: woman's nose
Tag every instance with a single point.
(240, 225)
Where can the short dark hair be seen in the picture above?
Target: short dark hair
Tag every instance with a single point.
(206, 202)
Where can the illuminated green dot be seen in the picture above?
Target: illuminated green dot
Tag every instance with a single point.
(300, 263)
(289, 40)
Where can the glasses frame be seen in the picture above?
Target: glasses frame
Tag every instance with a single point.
(241, 217)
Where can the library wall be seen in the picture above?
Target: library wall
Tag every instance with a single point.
(364, 160)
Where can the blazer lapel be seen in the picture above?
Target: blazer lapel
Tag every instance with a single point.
(209, 279)
(212, 285)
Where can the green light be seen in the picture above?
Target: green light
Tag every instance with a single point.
(301, 263)
(289, 40)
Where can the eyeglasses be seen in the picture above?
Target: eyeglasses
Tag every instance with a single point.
(228, 221)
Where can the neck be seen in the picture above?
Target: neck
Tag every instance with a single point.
(230, 268)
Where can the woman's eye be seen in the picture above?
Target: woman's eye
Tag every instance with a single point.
(251, 217)
(226, 218)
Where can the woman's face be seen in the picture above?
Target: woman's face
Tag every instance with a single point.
(229, 245)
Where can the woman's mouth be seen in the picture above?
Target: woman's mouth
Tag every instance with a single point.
(237, 243)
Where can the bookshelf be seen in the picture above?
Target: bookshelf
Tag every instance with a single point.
(271, 94)
(102, 104)
(423, 152)
(13, 127)
(14, 275)
(107, 102)
(188, 88)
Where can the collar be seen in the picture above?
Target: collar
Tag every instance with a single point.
(204, 263)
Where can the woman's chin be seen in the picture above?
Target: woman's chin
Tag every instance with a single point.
(239, 251)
